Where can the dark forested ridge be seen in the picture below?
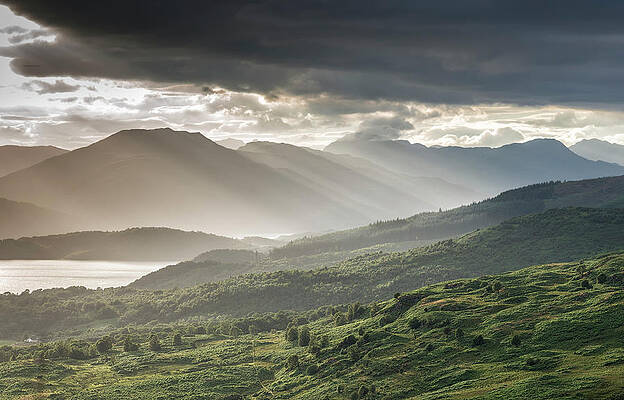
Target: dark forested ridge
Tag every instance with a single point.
(544, 332)
(601, 192)
(139, 244)
(557, 235)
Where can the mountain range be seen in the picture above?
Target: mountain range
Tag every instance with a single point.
(182, 180)
(483, 169)
(596, 149)
(161, 177)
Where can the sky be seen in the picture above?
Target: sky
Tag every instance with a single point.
(477, 73)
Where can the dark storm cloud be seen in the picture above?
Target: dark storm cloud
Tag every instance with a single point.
(529, 52)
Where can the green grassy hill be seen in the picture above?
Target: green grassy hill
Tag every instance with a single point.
(546, 332)
(602, 192)
(554, 236)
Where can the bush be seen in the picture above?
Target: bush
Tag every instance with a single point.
(347, 341)
(312, 369)
(340, 319)
(362, 392)
(304, 336)
(429, 347)
(459, 334)
(602, 278)
(586, 285)
(103, 345)
(414, 323)
(354, 353)
(515, 340)
(478, 341)
(154, 343)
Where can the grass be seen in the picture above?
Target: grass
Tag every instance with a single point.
(571, 346)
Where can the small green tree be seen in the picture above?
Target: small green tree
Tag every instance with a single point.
(304, 336)
(177, 339)
(105, 344)
(154, 343)
(129, 345)
(515, 340)
(459, 334)
(292, 362)
(292, 334)
(362, 392)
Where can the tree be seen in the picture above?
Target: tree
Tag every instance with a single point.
(154, 343)
(478, 341)
(515, 340)
(304, 336)
(105, 344)
(292, 334)
(292, 362)
(459, 334)
(129, 345)
(177, 339)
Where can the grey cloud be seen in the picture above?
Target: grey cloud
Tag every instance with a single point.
(380, 129)
(13, 30)
(29, 35)
(43, 87)
(449, 51)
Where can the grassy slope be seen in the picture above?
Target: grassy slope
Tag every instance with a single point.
(571, 346)
(557, 235)
(602, 192)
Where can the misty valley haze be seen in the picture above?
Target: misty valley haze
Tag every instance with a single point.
(311, 200)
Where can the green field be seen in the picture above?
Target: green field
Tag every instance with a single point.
(546, 332)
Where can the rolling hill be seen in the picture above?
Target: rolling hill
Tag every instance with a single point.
(14, 158)
(24, 219)
(555, 235)
(544, 332)
(596, 149)
(600, 192)
(136, 244)
(483, 169)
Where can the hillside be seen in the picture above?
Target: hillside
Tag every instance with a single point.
(25, 219)
(14, 158)
(545, 332)
(601, 192)
(184, 180)
(483, 169)
(596, 149)
(555, 236)
(358, 180)
(137, 244)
